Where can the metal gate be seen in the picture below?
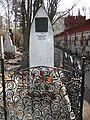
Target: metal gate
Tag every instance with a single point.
(41, 93)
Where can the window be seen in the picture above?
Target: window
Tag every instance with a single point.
(41, 24)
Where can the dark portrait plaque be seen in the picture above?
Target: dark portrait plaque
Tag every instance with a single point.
(41, 24)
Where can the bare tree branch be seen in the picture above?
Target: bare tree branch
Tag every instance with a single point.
(60, 14)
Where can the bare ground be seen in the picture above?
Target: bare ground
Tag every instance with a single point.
(86, 104)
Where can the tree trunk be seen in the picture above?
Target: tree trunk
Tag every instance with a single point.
(24, 28)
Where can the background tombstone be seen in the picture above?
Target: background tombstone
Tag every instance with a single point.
(8, 45)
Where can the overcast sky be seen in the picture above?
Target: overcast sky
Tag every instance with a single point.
(81, 4)
(65, 4)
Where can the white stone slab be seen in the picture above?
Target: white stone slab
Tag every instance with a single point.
(8, 45)
(41, 44)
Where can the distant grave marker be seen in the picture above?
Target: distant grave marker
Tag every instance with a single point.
(8, 45)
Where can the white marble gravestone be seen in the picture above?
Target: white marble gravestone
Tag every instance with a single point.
(41, 43)
(8, 45)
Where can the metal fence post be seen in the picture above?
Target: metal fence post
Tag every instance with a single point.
(63, 58)
(73, 59)
(82, 87)
(3, 82)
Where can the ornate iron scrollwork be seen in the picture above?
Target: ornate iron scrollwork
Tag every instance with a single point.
(41, 93)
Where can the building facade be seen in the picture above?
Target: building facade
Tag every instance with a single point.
(75, 39)
(71, 21)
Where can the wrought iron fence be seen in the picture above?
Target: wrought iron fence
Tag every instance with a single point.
(41, 93)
